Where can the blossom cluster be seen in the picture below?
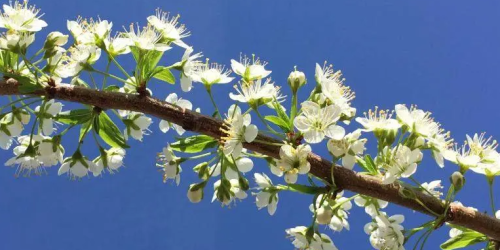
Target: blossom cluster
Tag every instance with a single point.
(402, 135)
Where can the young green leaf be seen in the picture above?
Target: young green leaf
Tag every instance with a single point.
(465, 239)
(75, 116)
(194, 144)
(109, 132)
(284, 125)
(164, 74)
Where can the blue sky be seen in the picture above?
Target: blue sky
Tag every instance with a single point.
(442, 55)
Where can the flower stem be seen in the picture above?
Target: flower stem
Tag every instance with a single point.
(267, 124)
(120, 67)
(109, 75)
(209, 91)
(293, 111)
(492, 200)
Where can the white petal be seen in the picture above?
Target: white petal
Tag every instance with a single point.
(335, 132)
(251, 132)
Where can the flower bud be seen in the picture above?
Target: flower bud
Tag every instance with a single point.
(324, 215)
(243, 182)
(458, 181)
(55, 39)
(202, 170)
(296, 79)
(195, 192)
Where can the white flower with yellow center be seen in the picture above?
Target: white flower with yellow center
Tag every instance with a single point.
(255, 93)
(378, 121)
(348, 148)
(146, 39)
(334, 90)
(250, 69)
(182, 103)
(316, 122)
(21, 17)
(293, 161)
(117, 45)
(16, 42)
(398, 162)
(238, 130)
(417, 121)
(211, 73)
(169, 27)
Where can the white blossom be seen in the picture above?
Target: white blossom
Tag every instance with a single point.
(243, 165)
(16, 42)
(226, 191)
(398, 162)
(26, 158)
(250, 69)
(146, 39)
(50, 151)
(117, 45)
(89, 32)
(332, 212)
(334, 90)
(268, 196)
(77, 166)
(293, 161)
(378, 121)
(371, 205)
(211, 73)
(46, 113)
(238, 129)
(433, 188)
(137, 125)
(348, 148)
(386, 232)
(169, 28)
(81, 56)
(316, 122)
(417, 121)
(111, 160)
(170, 165)
(189, 64)
(255, 93)
(318, 241)
(182, 103)
(21, 17)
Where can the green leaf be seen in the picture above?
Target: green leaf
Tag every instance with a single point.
(164, 74)
(86, 127)
(194, 144)
(282, 114)
(151, 59)
(465, 239)
(278, 121)
(368, 165)
(109, 132)
(76, 116)
(305, 189)
(135, 52)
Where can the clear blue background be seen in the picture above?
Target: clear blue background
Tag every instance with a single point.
(442, 55)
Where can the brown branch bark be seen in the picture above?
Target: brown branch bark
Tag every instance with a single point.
(192, 121)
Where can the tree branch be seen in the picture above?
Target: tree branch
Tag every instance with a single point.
(195, 122)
